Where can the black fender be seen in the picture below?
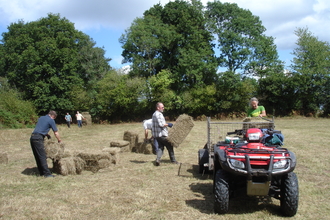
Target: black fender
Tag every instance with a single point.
(293, 160)
(220, 159)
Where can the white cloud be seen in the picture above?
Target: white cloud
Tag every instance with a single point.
(280, 17)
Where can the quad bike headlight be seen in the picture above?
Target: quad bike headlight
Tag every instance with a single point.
(280, 164)
(254, 136)
(237, 164)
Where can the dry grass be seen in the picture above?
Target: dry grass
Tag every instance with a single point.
(136, 189)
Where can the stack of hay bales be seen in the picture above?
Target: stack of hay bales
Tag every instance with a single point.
(180, 129)
(3, 158)
(130, 143)
(145, 147)
(88, 118)
(96, 161)
(132, 138)
(54, 150)
(69, 165)
(66, 164)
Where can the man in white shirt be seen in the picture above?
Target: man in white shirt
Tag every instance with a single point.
(147, 125)
(79, 119)
(160, 133)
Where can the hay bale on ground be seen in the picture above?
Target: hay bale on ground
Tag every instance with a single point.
(132, 138)
(54, 150)
(88, 118)
(180, 130)
(3, 158)
(144, 148)
(69, 166)
(114, 153)
(124, 146)
(95, 162)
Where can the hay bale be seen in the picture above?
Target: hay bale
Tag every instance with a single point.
(95, 162)
(69, 166)
(124, 146)
(3, 158)
(114, 152)
(144, 148)
(132, 138)
(180, 130)
(88, 118)
(256, 122)
(54, 150)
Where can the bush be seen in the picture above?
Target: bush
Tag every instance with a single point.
(15, 112)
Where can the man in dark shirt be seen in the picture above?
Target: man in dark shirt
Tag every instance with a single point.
(44, 124)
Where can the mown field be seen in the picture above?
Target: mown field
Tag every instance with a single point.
(136, 189)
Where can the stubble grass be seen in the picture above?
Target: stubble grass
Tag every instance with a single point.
(136, 189)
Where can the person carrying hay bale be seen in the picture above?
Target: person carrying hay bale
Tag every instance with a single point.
(160, 132)
(37, 141)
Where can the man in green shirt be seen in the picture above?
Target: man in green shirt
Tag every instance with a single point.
(255, 110)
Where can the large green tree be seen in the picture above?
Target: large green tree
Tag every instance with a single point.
(311, 67)
(47, 59)
(173, 37)
(241, 40)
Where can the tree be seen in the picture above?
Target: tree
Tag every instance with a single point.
(118, 97)
(241, 39)
(44, 60)
(278, 93)
(311, 66)
(173, 37)
(235, 93)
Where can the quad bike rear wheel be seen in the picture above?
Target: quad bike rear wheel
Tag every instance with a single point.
(289, 194)
(203, 157)
(221, 192)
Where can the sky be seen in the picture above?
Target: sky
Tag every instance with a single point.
(106, 20)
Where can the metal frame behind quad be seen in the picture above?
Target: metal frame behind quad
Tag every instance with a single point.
(217, 131)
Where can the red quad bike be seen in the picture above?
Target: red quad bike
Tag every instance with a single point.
(251, 157)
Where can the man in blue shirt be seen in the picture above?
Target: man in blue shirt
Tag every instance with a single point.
(44, 124)
(68, 119)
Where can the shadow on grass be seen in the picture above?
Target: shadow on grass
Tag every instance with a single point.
(239, 203)
(139, 161)
(191, 170)
(31, 171)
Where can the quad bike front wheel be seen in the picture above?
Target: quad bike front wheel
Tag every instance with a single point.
(221, 192)
(289, 194)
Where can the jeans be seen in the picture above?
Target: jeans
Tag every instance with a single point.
(155, 145)
(79, 123)
(163, 142)
(68, 124)
(38, 149)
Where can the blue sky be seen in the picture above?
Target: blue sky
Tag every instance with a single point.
(106, 20)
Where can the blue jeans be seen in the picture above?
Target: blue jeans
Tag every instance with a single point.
(38, 149)
(79, 123)
(156, 145)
